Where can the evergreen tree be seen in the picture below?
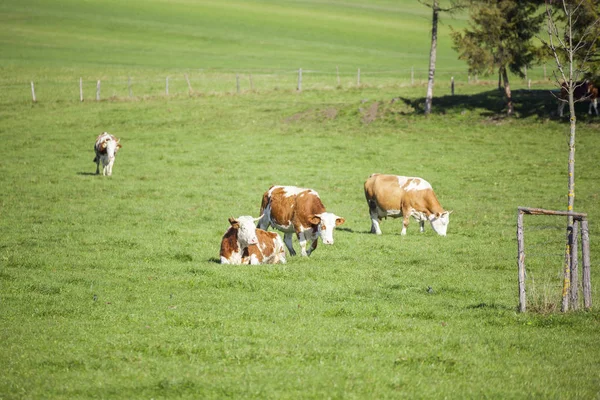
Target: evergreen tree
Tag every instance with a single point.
(499, 38)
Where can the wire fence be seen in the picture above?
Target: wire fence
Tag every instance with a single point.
(545, 238)
(208, 82)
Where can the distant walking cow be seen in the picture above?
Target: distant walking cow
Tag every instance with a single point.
(585, 90)
(106, 149)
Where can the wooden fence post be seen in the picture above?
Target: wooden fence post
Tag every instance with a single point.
(98, 91)
(81, 89)
(529, 84)
(33, 92)
(299, 88)
(452, 85)
(566, 290)
(189, 84)
(521, 263)
(585, 254)
(574, 268)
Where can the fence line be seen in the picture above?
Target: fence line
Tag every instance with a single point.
(238, 81)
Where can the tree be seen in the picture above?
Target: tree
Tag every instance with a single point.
(500, 37)
(572, 45)
(436, 9)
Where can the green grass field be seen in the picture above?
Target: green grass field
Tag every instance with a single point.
(110, 287)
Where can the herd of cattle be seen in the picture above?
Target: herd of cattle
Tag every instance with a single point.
(293, 210)
(299, 211)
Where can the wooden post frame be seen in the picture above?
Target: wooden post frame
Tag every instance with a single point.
(579, 221)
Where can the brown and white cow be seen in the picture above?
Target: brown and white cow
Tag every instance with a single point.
(106, 149)
(400, 196)
(291, 209)
(244, 244)
(585, 90)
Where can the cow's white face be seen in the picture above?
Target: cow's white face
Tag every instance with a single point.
(327, 222)
(439, 222)
(246, 230)
(111, 148)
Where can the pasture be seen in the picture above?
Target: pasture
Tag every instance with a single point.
(110, 286)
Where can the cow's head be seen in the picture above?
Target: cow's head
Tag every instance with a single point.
(326, 222)
(439, 222)
(111, 146)
(246, 230)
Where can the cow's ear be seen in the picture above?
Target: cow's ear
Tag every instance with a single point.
(314, 219)
(450, 212)
(339, 221)
(234, 222)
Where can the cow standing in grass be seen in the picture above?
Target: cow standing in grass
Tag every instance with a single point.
(400, 196)
(106, 149)
(291, 209)
(244, 244)
(585, 90)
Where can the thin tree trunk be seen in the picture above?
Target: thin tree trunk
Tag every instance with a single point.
(571, 169)
(509, 103)
(432, 57)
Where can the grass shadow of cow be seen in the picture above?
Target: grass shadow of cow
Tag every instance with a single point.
(541, 104)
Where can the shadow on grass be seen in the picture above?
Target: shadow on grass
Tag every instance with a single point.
(86, 173)
(527, 103)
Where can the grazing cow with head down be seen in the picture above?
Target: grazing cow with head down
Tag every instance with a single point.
(400, 196)
(297, 210)
(585, 90)
(244, 244)
(106, 149)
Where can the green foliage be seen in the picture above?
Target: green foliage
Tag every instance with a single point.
(500, 36)
(582, 35)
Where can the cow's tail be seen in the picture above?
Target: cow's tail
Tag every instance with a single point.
(264, 203)
(263, 223)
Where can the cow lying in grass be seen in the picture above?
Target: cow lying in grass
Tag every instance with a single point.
(243, 243)
(106, 149)
(401, 196)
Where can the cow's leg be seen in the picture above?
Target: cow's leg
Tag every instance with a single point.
(287, 239)
(302, 241)
(264, 222)
(313, 246)
(422, 225)
(405, 219)
(561, 106)
(594, 104)
(374, 219)
(97, 161)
